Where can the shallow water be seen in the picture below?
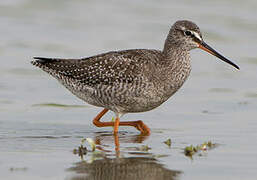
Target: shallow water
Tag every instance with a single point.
(41, 123)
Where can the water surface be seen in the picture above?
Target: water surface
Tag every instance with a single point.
(41, 123)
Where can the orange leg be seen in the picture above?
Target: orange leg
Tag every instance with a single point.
(137, 124)
(117, 144)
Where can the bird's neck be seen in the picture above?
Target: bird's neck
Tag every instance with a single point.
(177, 66)
(175, 56)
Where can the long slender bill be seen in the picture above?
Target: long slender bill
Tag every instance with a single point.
(210, 50)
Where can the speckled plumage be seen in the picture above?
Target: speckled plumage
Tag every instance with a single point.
(134, 80)
(127, 81)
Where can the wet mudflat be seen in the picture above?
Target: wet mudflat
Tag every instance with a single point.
(41, 123)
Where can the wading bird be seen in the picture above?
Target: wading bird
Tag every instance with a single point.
(131, 81)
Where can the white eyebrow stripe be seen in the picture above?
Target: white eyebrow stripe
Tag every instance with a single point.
(197, 35)
(182, 28)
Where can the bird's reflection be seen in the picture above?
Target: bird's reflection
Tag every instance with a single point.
(102, 138)
(107, 165)
(132, 168)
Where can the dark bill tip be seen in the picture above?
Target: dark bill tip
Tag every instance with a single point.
(210, 50)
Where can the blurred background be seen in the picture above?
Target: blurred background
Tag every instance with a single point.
(40, 122)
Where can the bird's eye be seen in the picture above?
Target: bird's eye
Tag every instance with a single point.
(188, 33)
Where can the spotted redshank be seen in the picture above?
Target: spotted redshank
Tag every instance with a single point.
(131, 81)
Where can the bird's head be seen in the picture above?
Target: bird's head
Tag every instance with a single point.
(187, 36)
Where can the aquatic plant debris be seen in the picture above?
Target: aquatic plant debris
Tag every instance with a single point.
(113, 120)
(58, 105)
(90, 142)
(144, 148)
(168, 142)
(81, 151)
(18, 169)
(192, 150)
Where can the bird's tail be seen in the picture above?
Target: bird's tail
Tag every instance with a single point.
(41, 61)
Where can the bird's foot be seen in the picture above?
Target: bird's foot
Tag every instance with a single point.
(139, 125)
